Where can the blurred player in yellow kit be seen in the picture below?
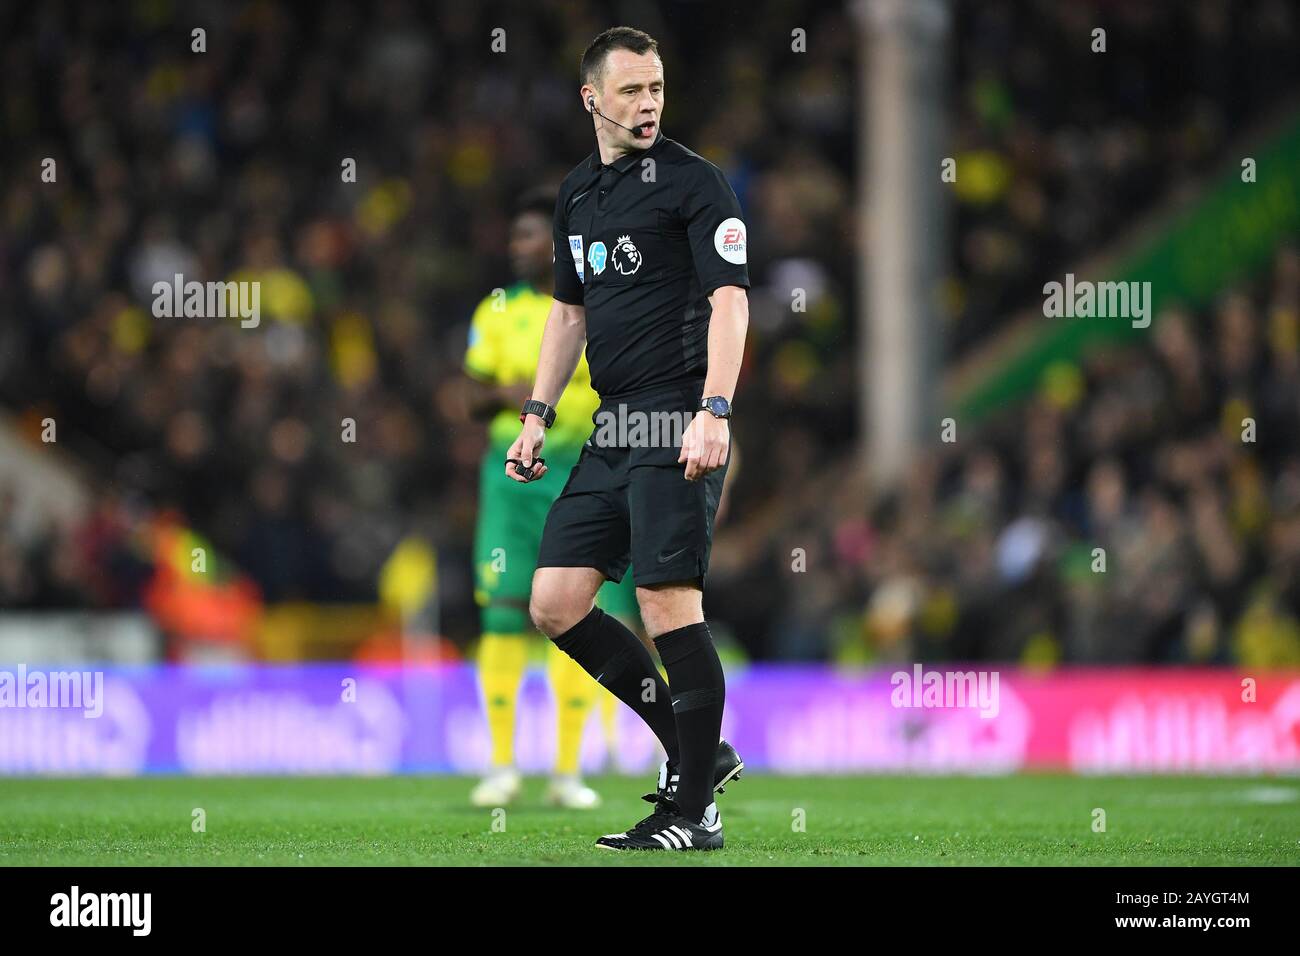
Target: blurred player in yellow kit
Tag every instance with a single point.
(505, 337)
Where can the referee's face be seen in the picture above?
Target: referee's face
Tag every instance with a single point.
(631, 92)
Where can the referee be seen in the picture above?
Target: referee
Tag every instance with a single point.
(650, 274)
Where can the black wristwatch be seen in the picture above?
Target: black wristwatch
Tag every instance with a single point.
(716, 405)
(543, 411)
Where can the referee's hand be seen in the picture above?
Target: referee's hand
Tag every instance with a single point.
(704, 445)
(526, 449)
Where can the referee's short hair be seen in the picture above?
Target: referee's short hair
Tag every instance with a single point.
(615, 38)
(540, 199)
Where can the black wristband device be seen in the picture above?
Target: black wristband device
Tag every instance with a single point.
(543, 411)
(716, 405)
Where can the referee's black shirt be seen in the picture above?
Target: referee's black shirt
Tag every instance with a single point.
(642, 244)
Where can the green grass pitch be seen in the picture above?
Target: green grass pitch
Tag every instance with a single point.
(305, 821)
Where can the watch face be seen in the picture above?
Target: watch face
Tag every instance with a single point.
(718, 406)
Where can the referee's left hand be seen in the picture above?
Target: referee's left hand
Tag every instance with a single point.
(704, 445)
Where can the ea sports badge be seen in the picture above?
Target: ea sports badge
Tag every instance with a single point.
(729, 240)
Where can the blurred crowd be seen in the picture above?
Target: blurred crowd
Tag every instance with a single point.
(226, 164)
(1142, 506)
(1058, 147)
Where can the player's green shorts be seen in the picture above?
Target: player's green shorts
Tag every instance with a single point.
(510, 520)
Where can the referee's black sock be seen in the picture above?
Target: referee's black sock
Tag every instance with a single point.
(698, 691)
(612, 654)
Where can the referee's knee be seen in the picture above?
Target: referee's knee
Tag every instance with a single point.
(553, 611)
(561, 597)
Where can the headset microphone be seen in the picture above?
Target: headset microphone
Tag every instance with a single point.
(635, 130)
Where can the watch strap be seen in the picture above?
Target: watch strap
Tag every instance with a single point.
(543, 411)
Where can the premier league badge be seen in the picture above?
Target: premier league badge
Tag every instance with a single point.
(627, 257)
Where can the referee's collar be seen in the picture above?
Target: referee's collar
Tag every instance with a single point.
(624, 163)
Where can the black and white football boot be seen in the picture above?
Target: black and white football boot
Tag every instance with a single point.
(728, 768)
(667, 829)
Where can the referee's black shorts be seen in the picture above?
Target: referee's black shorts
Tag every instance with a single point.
(633, 505)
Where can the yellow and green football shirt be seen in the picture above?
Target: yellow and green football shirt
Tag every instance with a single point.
(504, 342)
(503, 347)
